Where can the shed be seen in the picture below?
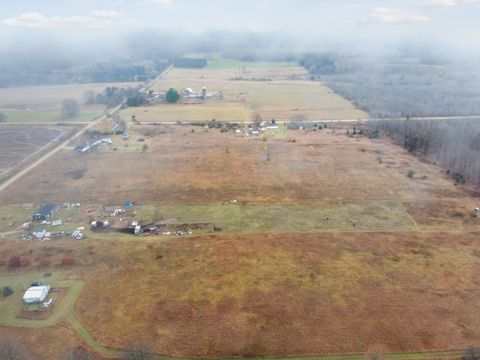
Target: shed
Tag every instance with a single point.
(36, 294)
(44, 212)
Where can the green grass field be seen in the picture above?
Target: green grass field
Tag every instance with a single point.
(12, 217)
(368, 215)
(11, 306)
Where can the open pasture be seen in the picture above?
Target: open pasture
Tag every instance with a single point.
(287, 294)
(278, 92)
(191, 165)
(43, 103)
(330, 247)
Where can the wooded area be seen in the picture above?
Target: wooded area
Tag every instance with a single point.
(399, 86)
(454, 144)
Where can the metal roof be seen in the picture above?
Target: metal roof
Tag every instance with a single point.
(46, 209)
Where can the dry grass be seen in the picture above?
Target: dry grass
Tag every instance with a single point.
(181, 167)
(285, 97)
(47, 97)
(228, 110)
(276, 291)
(289, 294)
(38, 104)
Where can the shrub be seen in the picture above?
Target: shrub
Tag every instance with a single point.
(471, 354)
(79, 353)
(410, 174)
(136, 352)
(24, 261)
(44, 262)
(7, 291)
(14, 262)
(67, 261)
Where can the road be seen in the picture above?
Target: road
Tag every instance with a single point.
(56, 149)
(361, 120)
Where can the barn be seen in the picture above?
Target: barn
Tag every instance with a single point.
(44, 212)
(37, 293)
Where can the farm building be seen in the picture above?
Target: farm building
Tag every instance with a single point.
(36, 293)
(44, 212)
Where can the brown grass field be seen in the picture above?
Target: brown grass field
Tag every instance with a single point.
(281, 279)
(38, 104)
(287, 96)
(47, 97)
(331, 248)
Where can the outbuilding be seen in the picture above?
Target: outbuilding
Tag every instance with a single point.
(36, 293)
(44, 212)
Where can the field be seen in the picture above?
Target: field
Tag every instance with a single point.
(21, 143)
(320, 244)
(279, 92)
(40, 104)
(331, 248)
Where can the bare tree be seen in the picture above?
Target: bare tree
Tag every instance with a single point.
(136, 352)
(9, 350)
(79, 353)
(89, 97)
(257, 119)
(454, 144)
(70, 108)
(471, 354)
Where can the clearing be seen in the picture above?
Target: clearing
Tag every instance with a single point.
(280, 92)
(41, 104)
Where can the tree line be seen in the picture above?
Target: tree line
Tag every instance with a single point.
(455, 144)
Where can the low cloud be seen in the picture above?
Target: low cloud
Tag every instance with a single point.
(107, 13)
(96, 19)
(160, 2)
(449, 3)
(384, 15)
(442, 3)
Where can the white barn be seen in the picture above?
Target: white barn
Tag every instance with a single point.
(36, 294)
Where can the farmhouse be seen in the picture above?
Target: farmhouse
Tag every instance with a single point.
(36, 293)
(44, 212)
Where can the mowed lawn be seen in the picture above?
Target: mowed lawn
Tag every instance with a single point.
(44, 103)
(273, 91)
(11, 306)
(353, 216)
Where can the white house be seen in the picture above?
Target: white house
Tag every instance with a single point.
(36, 294)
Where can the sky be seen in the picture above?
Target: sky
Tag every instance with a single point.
(456, 21)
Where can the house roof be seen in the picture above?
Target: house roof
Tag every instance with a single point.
(35, 292)
(46, 209)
